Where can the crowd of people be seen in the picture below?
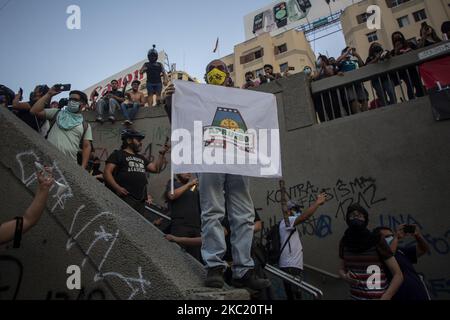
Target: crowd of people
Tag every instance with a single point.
(354, 98)
(213, 215)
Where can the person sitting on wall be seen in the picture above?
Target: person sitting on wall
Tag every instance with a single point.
(110, 101)
(14, 229)
(135, 100)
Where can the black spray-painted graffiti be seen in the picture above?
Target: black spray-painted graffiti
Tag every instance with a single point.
(440, 243)
(10, 277)
(360, 190)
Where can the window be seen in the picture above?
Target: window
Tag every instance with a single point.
(395, 3)
(403, 21)
(284, 67)
(280, 49)
(252, 56)
(372, 37)
(420, 15)
(230, 68)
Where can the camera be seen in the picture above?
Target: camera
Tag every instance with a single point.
(63, 102)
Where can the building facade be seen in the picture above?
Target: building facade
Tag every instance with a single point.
(405, 16)
(287, 51)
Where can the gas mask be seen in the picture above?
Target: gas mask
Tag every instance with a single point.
(216, 77)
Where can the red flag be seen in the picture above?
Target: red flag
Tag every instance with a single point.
(217, 45)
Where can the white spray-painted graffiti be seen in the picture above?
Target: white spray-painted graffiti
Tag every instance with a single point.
(28, 176)
(136, 285)
(101, 235)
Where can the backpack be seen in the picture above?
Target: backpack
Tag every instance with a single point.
(80, 145)
(273, 244)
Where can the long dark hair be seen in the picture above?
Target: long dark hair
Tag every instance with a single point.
(434, 35)
(405, 43)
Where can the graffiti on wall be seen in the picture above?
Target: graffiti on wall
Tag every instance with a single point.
(362, 190)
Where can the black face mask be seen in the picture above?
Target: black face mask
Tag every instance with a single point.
(152, 58)
(357, 224)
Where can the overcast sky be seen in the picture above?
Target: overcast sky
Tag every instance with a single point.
(37, 47)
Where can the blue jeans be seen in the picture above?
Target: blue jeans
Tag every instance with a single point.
(102, 104)
(217, 192)
(384, 88)
(133, 112)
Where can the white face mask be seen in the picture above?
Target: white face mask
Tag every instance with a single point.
(73, 106)
(389, 240)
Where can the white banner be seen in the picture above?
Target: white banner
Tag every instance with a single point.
(224, 130)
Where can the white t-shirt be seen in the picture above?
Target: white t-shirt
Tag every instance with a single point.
(292, 255)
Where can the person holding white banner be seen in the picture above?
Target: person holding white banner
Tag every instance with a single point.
(218, 189)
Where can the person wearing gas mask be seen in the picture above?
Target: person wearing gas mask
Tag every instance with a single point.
(217, 191)
(155, 71)
(413, 287)
(126, 170)
(68, 132)
(364, 260)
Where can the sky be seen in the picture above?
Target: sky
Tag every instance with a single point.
(38, 48)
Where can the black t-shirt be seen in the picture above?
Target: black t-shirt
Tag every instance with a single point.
(30, 119)
(412, 287)
(130, 172)
(116, 93)
(185, 210)
(154, 71)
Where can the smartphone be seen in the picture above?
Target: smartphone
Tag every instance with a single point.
(20, 94)
(304, 5)
(63, 87)
(409, 228)
(258, 22)
(281, 14)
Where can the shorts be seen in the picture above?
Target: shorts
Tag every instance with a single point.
(154, 88)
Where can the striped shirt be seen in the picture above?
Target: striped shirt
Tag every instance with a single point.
(364, 265)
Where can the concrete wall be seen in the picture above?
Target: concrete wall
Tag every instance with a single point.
(120, 254)
(394, 161)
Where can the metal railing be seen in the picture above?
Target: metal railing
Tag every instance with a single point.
(395, 80)
(304, 287)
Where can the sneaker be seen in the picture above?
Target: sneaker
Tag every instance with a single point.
(112, 119)
(250, 280)
(214, 277)
(99, 119)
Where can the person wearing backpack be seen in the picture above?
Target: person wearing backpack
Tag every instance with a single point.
(69, 133)
(291, 251)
